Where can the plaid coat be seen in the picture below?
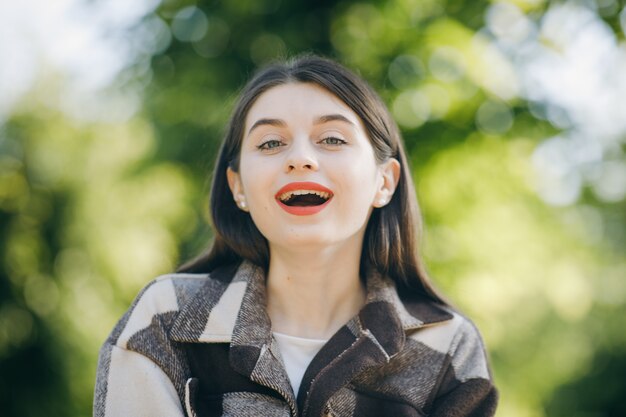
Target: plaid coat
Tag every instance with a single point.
(201, 345)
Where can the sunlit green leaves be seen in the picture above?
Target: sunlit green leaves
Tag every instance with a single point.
(87, 219)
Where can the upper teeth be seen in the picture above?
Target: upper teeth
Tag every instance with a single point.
(286, 196)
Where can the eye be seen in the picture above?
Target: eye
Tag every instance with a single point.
(270, 145)
(333, 141)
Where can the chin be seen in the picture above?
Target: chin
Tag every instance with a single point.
(304, 242)
(313, 241)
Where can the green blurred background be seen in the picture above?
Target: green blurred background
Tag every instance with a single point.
(111, 113)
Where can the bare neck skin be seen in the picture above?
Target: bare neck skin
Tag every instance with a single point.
(313, 293)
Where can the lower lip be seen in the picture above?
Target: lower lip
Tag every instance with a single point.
(302, 210)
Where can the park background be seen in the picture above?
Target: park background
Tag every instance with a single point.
(514, 117)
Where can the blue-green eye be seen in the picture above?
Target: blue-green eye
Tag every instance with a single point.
(333, 141)
(270, 144)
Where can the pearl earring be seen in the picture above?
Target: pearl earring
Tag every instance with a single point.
(382, 201)
(242, 204)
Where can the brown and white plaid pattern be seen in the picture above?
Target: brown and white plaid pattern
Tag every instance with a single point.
(201, 345)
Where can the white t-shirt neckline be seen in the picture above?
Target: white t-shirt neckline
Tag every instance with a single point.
(297, 354)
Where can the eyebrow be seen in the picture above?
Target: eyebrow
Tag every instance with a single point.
(332, 118)
(267, 122)
(318, 121)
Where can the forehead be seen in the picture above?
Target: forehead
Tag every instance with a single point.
(298, 102)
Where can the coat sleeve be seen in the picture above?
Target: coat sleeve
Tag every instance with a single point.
(130, 384)
(139, 370)
(466, 388)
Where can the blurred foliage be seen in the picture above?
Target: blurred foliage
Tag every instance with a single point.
(90, 211)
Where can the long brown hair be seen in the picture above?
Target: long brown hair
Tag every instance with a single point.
(390, 244)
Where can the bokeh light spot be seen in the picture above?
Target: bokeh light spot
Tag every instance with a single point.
(215, 40)
(157, 35)
(508, 23)
(405, 71)
(610, 185)
(439, 100)
(494, 117)
(16, 327)
(411, 108)
(41, 294)
(447, 64)
(190, 24)
(492, 70)
(569, 292)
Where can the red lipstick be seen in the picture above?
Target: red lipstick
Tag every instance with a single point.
(303, 186)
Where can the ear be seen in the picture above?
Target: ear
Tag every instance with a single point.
(234, 183)
(390, 175)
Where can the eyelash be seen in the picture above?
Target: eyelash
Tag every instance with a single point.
(337, 141)
(265, 146)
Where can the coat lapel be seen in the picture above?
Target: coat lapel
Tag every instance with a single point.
(370, 340)
(230, 307)
(253, 351)
(202, 301)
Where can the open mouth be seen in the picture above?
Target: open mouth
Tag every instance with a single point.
(304, 198)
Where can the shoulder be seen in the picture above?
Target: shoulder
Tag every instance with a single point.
(465, 386)
(160, 302)
(171, 291)
(460, 340)
(159, 298)
(167, 292)
(450, 331)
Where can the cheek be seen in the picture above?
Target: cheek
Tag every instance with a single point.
(257, 186)
(360, 181)
(253, 177)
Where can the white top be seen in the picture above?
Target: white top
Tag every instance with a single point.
(297, 353)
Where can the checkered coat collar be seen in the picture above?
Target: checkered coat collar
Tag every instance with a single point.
(229, 307)
(238, 315)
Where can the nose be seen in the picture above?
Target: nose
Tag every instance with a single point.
(301, 157)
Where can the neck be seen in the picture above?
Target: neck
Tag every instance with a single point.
(313, 294)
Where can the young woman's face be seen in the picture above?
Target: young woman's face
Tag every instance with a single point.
(307, 172)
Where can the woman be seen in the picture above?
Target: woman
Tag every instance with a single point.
(312, 300)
